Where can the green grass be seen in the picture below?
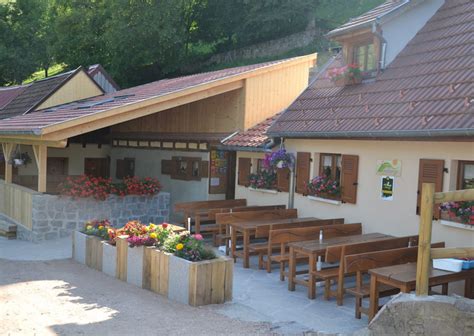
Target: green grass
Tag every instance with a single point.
(53, 70)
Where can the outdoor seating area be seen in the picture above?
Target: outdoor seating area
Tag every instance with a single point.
(329, 255)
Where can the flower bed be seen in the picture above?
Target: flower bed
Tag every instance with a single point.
(153, 257)
(324, 187)
(263, 180)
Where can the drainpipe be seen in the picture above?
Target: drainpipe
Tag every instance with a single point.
(383, 49)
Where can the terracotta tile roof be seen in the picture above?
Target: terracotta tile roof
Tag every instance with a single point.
(7, 94)
(253, 138)
(426, 91)
(35, 121)
(32, 95)
(388, 7)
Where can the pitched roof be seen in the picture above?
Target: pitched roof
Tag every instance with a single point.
(426, 91)
(34, 94)
(253, 138)
(35, 121)
(391, 7)
(7, 94)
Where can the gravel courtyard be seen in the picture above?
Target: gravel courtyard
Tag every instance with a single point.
(62, 297)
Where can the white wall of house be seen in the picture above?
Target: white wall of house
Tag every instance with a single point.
(148, 163)
(401, 29)
(397, 217)
(75, 154)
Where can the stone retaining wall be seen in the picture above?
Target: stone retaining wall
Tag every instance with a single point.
(57, 216)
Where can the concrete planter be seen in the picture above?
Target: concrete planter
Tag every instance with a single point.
(200, 283)
(109, 259)
(79, 241)
(135, 256)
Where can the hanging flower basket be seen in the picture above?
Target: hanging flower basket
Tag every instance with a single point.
(20, 159)
(345, 75)
(279, 159)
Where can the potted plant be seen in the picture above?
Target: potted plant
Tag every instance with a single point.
(19, 159)
(279, 159)
(346, 75)
(264, 179)
(461, 212)
(325, 187)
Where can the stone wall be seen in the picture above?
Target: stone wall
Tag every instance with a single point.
(407, 314)
(57, 216)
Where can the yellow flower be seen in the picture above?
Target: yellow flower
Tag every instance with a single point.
(153, 235)
(89, 227)
(101, 227)
(179, 247)
(151, 226)
(146, 229)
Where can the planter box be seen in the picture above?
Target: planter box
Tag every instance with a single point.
(87, 250)
(109, 259)
(200, 283)
(155, 271)
(135, 256)
(347, 81)
(324, 200)
(268, 191)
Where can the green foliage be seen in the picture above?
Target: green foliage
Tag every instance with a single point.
(139, 41)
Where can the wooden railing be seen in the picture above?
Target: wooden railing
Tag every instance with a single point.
(16, 202)
(428, 199)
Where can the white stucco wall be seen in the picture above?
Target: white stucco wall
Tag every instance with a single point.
(75, 154)
(148, 163)
(401, 29)
(397, 217)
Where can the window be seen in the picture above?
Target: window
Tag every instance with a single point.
(260, 166)
(364, 56)
(330, 166)
(125, 168)
(186, 168)
(465, 175)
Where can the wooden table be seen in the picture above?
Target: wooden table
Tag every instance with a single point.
(314, 248)
(404, 277)
(249, 228)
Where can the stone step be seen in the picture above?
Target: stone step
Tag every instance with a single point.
(7, 228)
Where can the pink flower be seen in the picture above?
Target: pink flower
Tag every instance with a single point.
(198, 236)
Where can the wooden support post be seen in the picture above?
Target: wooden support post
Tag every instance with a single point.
(424, 240)
(41, 156)
(7, 149)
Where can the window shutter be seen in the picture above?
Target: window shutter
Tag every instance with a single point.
(120, 169)
(244, 171)
(166, 167)
(431, 171)
(204, 169)
(283, 179)
(303, 162)
(349, 175)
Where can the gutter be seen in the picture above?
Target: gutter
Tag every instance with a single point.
(377, 134)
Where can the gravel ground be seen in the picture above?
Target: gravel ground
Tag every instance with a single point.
(62, 297)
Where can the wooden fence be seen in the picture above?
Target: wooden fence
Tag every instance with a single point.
(16, 203)
(428, 199)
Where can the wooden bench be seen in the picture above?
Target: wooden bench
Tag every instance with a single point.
(221, 235)
(197, 212)
(363, 262)
(223, 220)
(338, 252)
(278, 238)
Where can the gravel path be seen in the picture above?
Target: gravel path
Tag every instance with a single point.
(62, 297)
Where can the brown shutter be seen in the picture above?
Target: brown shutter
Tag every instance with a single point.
(349, 174)
(431, 171)
(204, 169)
(120, 169)
(303, 162)
(166, 167)
(244, 171)
(283, 179)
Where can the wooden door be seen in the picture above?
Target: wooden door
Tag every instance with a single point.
(57, 166)
(97, 167)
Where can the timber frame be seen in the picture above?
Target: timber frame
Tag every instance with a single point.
(425, 253)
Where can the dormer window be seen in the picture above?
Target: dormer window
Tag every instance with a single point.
(364, 56)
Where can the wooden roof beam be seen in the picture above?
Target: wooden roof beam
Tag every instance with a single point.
(34, 141)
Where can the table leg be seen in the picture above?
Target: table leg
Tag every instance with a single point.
(311, 278)
(233, 242)
(246, 249)
(469, 288)
(291, 270)
(374, 297)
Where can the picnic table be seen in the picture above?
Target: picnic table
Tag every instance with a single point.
(403, 277)
(249, 228)
(314, 248)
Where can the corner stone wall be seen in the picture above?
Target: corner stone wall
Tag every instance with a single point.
(57, 216)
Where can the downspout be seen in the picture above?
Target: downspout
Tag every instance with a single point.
(383, 49)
